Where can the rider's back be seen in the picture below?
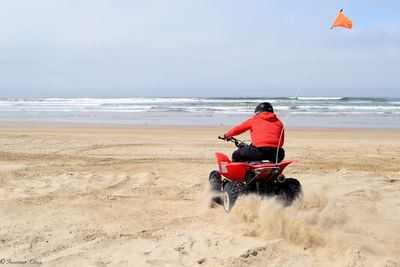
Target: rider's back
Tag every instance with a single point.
(265, 130)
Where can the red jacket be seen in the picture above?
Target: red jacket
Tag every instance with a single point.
(265, 130)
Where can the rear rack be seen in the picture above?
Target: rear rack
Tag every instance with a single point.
(262, 169)
(256, 162)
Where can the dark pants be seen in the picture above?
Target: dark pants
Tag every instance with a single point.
(252, 153)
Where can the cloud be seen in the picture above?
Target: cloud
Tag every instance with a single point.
(133, 48)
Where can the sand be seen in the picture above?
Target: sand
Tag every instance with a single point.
(81, 195)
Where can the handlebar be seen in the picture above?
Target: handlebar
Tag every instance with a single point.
(238, 143)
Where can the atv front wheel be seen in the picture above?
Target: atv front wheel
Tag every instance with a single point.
(215, 181)
(231, 191)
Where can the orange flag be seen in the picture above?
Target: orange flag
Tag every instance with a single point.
(342, 21)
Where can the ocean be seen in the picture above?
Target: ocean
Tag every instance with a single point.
(306, 111)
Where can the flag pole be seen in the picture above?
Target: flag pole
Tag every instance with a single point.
(300, 86)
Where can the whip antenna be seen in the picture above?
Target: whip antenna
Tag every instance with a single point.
(306, 73)
(340, 21)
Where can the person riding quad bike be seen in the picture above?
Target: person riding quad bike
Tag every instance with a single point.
(255, 168)
(267, 136)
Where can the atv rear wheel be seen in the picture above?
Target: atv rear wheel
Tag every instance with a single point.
(281, 196)
(215, 181)
(231, 192)
(292, 189)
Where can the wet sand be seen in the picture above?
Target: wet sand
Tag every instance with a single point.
(87, 195)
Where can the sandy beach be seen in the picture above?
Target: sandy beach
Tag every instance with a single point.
(87, 195)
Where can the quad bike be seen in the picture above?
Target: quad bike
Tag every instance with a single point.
(260, 177)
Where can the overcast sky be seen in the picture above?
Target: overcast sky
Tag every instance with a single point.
(124, 48)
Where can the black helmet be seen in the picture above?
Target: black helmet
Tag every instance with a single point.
(264, 107)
